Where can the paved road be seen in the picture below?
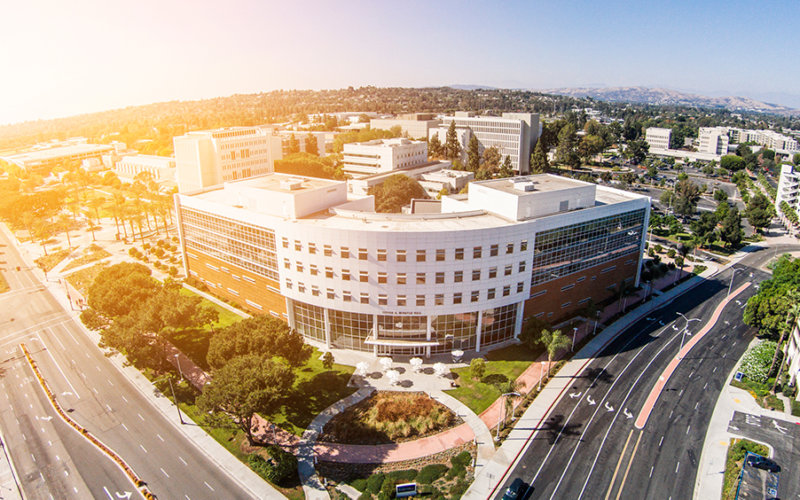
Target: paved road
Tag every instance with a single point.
(101, 399)
(783, 436)
(589, 447)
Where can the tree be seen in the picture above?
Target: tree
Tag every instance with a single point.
(637, 151)
(566, 152)
(732, 163)
(720, 195)
(310, 165)
(477, 368)
(539, 164)
(435, 148)
(687, 194)
(451, 146)
(312, 147)
(506, 170)
(473, 154)
(589, 146)
(767, 310)
(793, 297)
(294, 145)
(491, 159)
(796, 159)
(722, 210)
(395, 193)
(262, 335)
(553, 342)
(704, 228)
(760, 212)
(120, 289)
(731, 231)
(327, 360)
(245, 386)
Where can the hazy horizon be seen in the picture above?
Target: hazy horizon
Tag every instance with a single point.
(88, 56)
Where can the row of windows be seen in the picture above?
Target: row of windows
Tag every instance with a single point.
(382, 255)
(438, 299)
(403, 278)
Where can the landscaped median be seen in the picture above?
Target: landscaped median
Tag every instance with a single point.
(734, 462)
(135, 479)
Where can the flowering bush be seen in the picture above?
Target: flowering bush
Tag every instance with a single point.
(756, 361)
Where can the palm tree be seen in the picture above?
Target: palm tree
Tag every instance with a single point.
(64, 223)
(793, 298)
(508, 387)
(553, 342)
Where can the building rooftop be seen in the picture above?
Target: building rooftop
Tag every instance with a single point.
(57, 152)
(525, 185)
(289, 184)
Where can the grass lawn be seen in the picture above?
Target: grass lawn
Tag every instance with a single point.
(91, 255)
(314, 390)
(51, 260)
(3, 284)
(501, 365)
(761, 393)
(226, 316)
(733, 464)
(84, 278)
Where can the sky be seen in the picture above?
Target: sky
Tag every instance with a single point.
(60, 58)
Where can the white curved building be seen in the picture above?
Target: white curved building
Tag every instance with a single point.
(346, 277)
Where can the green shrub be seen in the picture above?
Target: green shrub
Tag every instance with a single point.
(477, 368)
(280, 466)
(463, 459)
(402, 476)
(671, 253)
(374, 483)
(360, 484)
(458, 489)
(456, 471)
(431, 473)
(796, 408)
(757, 360)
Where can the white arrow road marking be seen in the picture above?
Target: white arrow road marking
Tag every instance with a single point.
(782, 430)
(608, 407)
(734, 427)
(627, 414)
(590, 400)
(67, 393)
(574, 395)
(47, 418)
(127, 494)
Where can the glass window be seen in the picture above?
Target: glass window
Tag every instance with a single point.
(439, 278)
(312, 268)
(523, 246)
(288, 283)
(459, 254)
(382, 278)
(285, 242)
(400, 255)
(476, 252)
(329, 272)
(490, 293)
(346, 296)
(365, 298)
(475, 296)
(493, 251)
(420, 278)
(492, 272)
(506, 290)
(458, 276)
(312, 248)
(438, 299)
(382, 254)
(331, 294)
(522, 266)
(287, 263)
(363, 276)
(456, 298)
(520, 287)
(476, 275)
(345, 253)
(420, 255)
(420, 300)
(383, 300)
(327, 250)
(401, 278)
(301, 287)
(362, 254)
(440, 254)
(345, 275)
(315, 290)
(508, 270)
(299, 267)
(509, 248)
(401, 300)
(298, 246)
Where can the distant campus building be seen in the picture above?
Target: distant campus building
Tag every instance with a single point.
(460, 273)
(715, 142)
(383, 155)
(211, 157)
(513, 134)
(43, 157)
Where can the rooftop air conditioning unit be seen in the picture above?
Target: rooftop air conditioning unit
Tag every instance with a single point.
(291, 184)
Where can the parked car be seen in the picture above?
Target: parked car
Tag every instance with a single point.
(516, 490)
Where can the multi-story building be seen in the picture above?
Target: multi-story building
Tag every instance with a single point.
(433, 177)
(161, 168)
(788, 191)
(713, 140)
(323, 139)
(383, 155)
(211, 157)
(68, 154)
(415, 125)
(793, 354)
(344, 276)
(513, 134)
(767, 138)
(658, 138)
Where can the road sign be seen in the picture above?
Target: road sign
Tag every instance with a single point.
(738, 376)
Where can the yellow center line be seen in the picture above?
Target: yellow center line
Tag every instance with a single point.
(619, 462)
(627, 469)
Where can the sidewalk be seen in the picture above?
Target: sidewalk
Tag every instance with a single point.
(9, 484)
(715, 449)
(487, 478)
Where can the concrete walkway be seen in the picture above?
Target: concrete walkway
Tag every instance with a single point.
(483, 438)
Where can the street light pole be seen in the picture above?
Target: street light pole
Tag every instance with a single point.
(178, 359)
(683, 333)
(180, 417)
(574, 333)
(503, 413)
(597, 318)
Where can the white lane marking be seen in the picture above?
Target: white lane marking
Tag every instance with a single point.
(695, 405)
(24, 438)
(125, 427)
(95, 390)
(58, 458)
(98, 369)
(182, 460)
(141, 417)
(143, 448)
(59, 368)
(111, 383)
(108, 493)
(159, 437)
(124, 398)
(704, 387)
(164, 472)
(651, 470)
(687, 429)
(677, 466)
(32, 457)
(715, 369)
(209, 486)
(661, 441)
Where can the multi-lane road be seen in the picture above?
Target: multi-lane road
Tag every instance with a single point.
(54, 461)
(589, 446)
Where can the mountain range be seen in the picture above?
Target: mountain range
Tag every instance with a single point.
(661, 96)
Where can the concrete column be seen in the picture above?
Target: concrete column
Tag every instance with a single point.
(478, 332)
(518, 323)
(290, 312)
(428, 332)
(327, 323)
(375, 332)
